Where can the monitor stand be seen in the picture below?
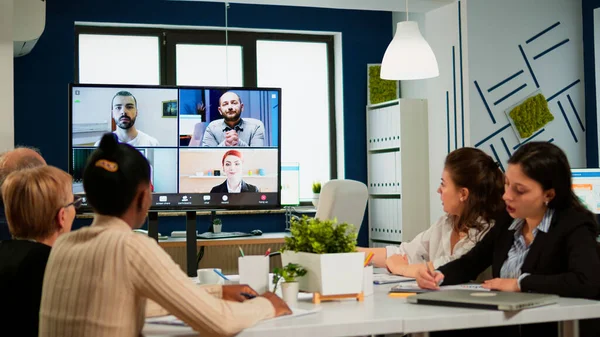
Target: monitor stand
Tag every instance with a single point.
(153, 225)
(190, 243)
(190, 238)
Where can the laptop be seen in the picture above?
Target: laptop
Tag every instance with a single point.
(222, 235)
(495, 300)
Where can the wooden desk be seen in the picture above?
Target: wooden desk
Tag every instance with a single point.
(224, 253)
(266, 238)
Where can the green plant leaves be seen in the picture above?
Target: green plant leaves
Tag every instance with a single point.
(317, 236)
(289, 273)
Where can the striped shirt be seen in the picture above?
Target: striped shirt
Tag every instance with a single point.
(98, 280)
(518, 252)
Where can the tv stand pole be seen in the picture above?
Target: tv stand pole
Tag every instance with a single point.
(213, 216)
(153, 225)
(190, 243)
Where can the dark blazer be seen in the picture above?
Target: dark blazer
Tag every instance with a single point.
(222, 188)
(22, 267)
(563, 261)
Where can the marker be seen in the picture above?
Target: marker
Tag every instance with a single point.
(241, 251)
(268, 252)
(221, 274)
(248, 296)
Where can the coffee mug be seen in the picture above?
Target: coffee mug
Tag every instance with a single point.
(209, 276)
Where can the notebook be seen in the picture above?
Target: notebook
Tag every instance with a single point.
(172, 320)
(495, 300)
(390, 278)
(412, 287)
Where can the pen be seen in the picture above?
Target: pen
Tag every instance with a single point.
(431, 271)
(248, 296)
(268, 252)
(368, 259)
(221, 274)
(241, 251)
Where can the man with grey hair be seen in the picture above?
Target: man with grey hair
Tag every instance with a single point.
(15, 160)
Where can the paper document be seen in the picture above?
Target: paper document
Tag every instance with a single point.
(390, 278)
(172, 320)
(414, 287)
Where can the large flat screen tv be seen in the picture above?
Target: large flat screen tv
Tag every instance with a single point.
(208, 147)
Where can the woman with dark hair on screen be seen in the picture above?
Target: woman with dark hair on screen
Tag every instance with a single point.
(549, 244)
(99, 278)
(232, 167)
(471, 193)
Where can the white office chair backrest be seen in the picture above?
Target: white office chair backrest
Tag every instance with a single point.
(343, 199)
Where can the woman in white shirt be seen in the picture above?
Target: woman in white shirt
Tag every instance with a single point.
(471, 191)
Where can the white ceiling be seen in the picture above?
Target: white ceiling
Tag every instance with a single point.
(419, 6)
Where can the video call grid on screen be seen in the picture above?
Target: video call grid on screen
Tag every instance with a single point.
(183, 134)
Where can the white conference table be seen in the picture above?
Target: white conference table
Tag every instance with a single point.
(381, 314)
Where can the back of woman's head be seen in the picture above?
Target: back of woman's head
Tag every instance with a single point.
(548, 165)
(113, 175)
(32, 199)
(474, 170)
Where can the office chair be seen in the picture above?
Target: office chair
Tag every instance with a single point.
(343, 199)
(196, 139)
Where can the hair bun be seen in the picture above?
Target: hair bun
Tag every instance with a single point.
(109, 142)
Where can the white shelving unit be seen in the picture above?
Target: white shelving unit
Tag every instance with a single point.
(398, 170)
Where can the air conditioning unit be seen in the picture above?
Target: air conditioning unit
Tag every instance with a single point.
(29, 19)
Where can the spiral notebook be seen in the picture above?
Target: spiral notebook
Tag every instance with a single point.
(412, 287)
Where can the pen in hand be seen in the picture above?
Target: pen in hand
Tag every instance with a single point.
(432, 272)
(248, 296)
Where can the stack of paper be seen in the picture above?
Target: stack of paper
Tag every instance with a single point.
(413, 287)
(172, 320)
(389, 278)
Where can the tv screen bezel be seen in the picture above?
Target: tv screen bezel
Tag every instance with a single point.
(87, 208)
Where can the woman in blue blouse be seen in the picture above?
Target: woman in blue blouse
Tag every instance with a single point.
(548, 245)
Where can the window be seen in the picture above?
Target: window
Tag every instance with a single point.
(300, 70)
(302, 65)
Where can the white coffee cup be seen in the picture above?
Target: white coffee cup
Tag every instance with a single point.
(209, 276)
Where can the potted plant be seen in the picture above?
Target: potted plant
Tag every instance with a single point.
(289, 288)
(327, 250)
(217, 225)
(316, 188)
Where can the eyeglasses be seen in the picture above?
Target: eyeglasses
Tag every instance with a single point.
(77, 201)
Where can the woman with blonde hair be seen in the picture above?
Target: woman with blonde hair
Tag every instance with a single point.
(40, 206)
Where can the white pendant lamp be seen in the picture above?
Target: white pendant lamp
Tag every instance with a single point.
(409, 56)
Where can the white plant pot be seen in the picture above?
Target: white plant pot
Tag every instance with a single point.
(315, 200)
(329, 274)
(289, 291)
(217, 228)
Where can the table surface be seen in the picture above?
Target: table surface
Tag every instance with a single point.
(381, 314)
(265, 238)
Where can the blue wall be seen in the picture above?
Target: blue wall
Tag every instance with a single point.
(45, 73)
